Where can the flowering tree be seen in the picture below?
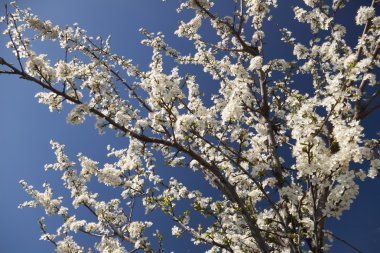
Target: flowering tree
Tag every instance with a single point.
(283, 160)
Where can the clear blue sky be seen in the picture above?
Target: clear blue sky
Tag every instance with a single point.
(26, 126)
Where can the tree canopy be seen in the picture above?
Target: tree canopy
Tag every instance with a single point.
(280, 139)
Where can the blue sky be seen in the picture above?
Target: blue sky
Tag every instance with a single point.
(26, 126)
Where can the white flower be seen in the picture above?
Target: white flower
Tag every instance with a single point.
(44, 199)
(339, 31)
(110, 245)
(176, 231)
(364, 14)
(136, 228)
(256, 63)
(40, 66)
(63, 161)
(49, 98)
(374, 169)
(64, 71)
(109, 175)
(300, 14)
(133, 186)
(190, 29)
(300, 51)
(185, 122)
(350, 61)
(376, 21)
(68, 246)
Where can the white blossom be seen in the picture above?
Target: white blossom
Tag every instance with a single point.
(364, 14)
(256, 63)
(68, 245)
(176, 231)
